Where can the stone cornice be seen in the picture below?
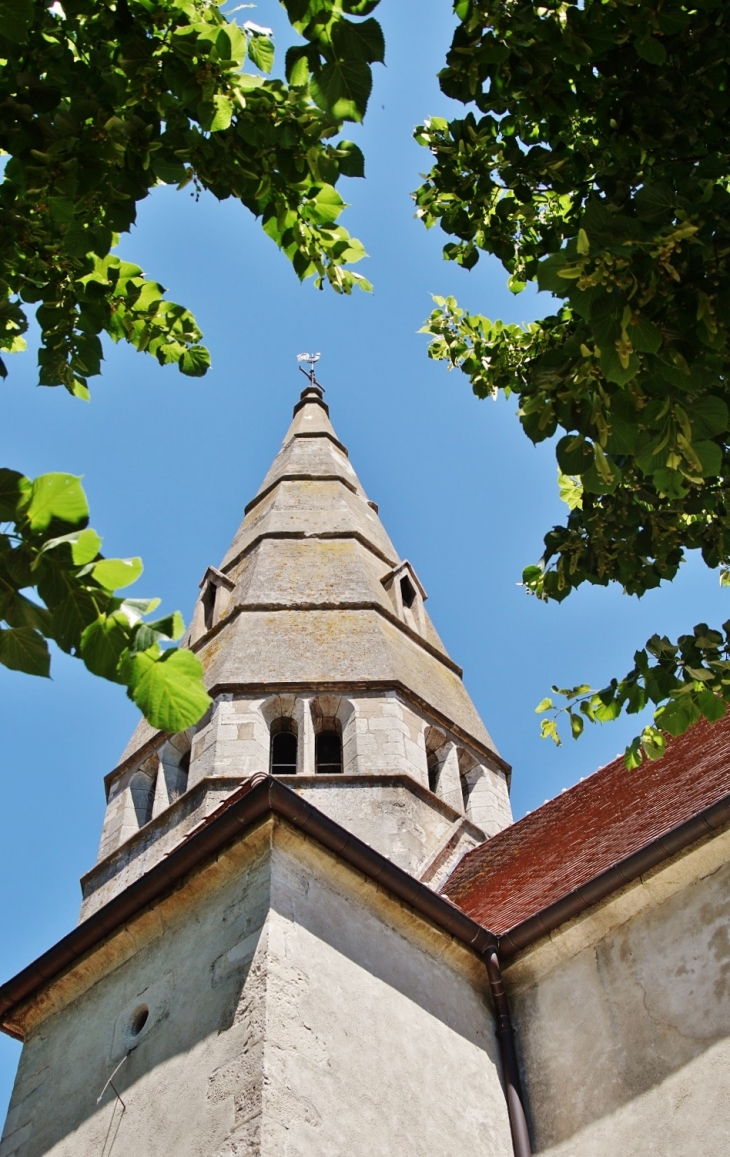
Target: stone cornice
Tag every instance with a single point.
(300, 477)
(323, 536)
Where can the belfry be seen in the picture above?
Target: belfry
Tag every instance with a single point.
(313, 930)
(326, 670)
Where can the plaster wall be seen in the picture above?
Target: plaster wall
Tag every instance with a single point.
(294, 1009)
(625, 1038)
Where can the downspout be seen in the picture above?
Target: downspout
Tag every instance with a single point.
(505, 1033)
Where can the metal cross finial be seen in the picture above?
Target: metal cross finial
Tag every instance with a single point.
(312, 359)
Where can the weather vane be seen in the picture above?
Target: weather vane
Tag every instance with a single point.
(312, 359)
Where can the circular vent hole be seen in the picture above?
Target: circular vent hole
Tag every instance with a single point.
(139, 1019)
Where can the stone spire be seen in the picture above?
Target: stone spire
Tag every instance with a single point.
(313, 627)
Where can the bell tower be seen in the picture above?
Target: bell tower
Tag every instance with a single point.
(264, 966)
(326, 671)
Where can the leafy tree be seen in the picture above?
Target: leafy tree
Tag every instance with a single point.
(48, 547)
(100, 101)
(595, 163)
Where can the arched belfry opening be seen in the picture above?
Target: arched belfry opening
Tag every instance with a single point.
(142, 786)
(332, 718)
(434, 770)
(328, 752)
(284, 743)
(436, 752)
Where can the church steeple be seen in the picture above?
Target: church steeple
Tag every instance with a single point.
(314, 629)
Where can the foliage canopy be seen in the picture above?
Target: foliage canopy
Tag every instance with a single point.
(100, 101)
(597, 164)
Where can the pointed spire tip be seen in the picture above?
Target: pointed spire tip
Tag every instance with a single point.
(311, 394)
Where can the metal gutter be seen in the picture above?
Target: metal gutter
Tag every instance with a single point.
(510, 1069)
(709, 821)
(260, 797)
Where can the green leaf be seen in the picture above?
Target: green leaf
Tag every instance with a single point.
(678, 715)
(655, 202)
(261, 52)
(18, 611)
(168, 689)
(296, 65)
(633, 756)
(612, 368)
(134, 609)
(172, 626)
(549, 730)
(710, 456)
(351, 159)
(222, 114)
(326, 206)
(195, 362)
(11, 492)
(343, 89)
(651, 50)
(650, 454)
(72, 614)
(86, 547)
(570, 490)
(644, 335)
(102, 645)
(364, 42)
(670, 483)
(114, 573)
(653, 743)
(56, 496)
(23, 649)
(574, 454)
(712, 706)
(606, 712)
(543, 705)
(709, 416)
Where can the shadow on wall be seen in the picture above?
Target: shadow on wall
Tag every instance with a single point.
(192, 1004)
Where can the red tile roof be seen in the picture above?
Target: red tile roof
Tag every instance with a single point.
(586, 830)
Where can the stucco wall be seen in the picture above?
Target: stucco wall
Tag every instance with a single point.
(295, 1009)
(625, 1041)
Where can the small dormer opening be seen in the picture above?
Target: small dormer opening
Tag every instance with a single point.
(434, 770)
(209, 595)
(283, 748)
(328, 753)
(407, 591)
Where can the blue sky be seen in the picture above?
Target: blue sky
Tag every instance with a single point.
(169, 463)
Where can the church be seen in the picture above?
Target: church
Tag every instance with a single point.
(313, 928)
